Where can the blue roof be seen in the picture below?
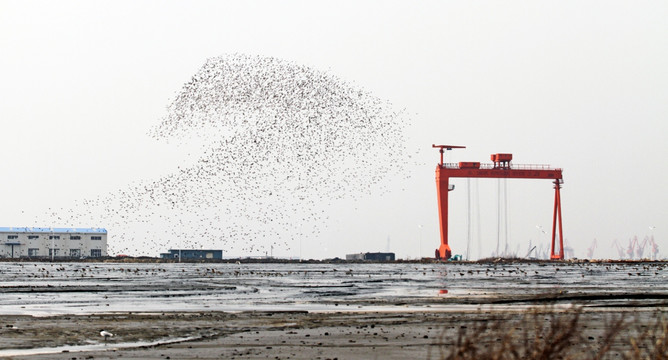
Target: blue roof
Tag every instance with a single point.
(55, 230)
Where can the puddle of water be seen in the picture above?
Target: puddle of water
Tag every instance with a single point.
(92, 347)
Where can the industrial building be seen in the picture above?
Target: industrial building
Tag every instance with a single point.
(192, 254)
(39, 242)
(379, 256)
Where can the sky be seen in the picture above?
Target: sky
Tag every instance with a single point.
(581, 86)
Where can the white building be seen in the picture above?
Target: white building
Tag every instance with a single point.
(24, 242)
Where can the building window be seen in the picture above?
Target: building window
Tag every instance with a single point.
(33, 252)
(96, 237)
(56, 237)
(12, 237)
(95, 252)
(31, 237)
(75, 253)
(55, 253)
(75, 237)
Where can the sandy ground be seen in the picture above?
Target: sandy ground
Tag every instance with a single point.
(271, 335)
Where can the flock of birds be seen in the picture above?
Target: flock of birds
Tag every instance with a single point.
(280, 143)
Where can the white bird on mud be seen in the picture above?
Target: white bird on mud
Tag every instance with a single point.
(105, 334)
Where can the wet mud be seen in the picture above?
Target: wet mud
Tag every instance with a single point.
(299, 310)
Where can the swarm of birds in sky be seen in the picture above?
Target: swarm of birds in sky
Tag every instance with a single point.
(280, 143)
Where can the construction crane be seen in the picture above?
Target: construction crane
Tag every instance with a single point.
(655, 248)
(590, 250)
(620, 250)
(500, 168)
(640, 250)
(630, 251)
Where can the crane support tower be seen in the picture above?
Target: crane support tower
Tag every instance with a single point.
(500, 168)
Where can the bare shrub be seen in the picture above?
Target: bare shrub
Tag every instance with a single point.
(553, 333)
(649, 342)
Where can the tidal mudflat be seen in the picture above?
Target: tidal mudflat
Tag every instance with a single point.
(311, 310)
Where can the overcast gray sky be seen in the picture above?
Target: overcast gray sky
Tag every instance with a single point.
(581, 85)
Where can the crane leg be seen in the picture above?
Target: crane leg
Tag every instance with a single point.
(442, 185)
(557, 214)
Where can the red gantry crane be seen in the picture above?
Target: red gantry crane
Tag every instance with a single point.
(500, 168)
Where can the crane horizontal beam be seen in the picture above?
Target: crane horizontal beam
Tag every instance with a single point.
(516, 172)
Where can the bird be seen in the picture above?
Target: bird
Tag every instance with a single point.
(106, 335)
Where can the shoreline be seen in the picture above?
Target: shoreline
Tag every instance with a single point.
(155, 260)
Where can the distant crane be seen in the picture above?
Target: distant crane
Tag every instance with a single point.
(590, 250)
(569, 252)
(640, 249)
(543, 252)
(531, 249)
(655, 248)
(632, 247)
(499, 169)
(620, 251)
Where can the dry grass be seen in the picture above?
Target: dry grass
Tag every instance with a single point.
(558, 334)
